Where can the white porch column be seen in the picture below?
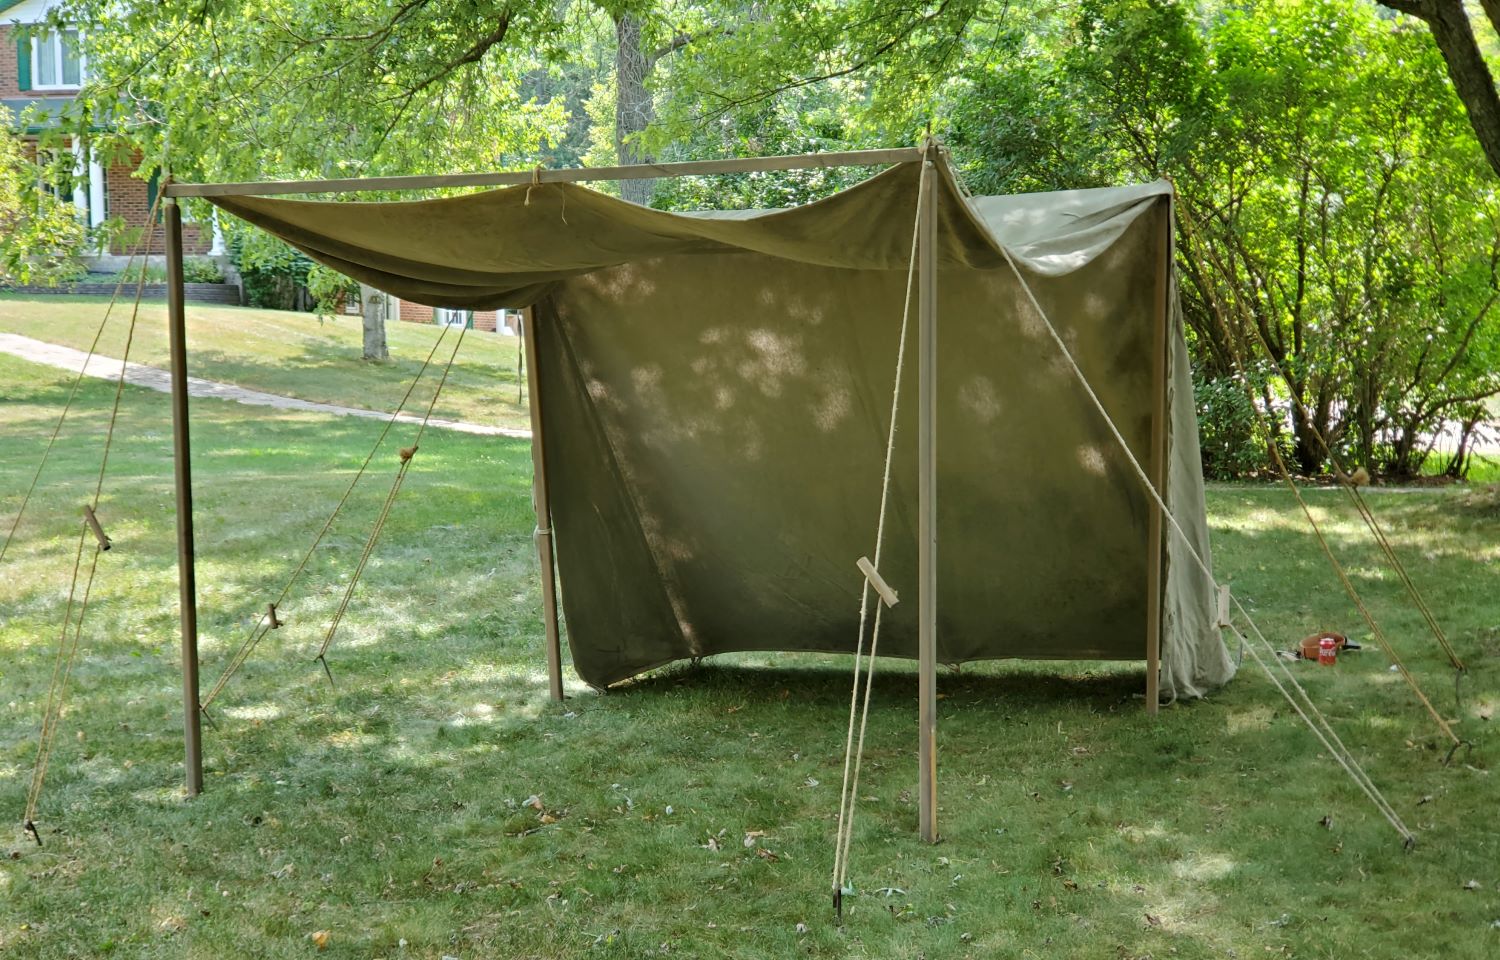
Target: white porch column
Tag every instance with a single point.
(217, 248)
(97, 212)
(80, 192)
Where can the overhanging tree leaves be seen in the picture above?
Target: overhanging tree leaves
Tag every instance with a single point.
(1453, 32)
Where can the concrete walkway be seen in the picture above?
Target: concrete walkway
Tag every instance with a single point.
(152, 378)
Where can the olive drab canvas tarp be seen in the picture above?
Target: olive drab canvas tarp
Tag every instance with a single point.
(715, 392)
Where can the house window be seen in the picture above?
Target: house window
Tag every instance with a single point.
(56, 61)
(452, 318)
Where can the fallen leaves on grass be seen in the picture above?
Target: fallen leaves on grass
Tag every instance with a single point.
(319, 939)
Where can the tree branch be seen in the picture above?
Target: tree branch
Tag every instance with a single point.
(474, 54)
(1448, 22)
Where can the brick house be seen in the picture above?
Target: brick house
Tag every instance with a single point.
(489, 321)
(40, 76)
(506, 322)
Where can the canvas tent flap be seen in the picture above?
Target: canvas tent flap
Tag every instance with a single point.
(715, 393)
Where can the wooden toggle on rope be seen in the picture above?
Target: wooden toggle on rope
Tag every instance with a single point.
(877, 581)
(92, 519)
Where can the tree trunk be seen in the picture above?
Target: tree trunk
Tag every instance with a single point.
(1454, 34)
(1306, 449)
(372, 302)
(633, 109)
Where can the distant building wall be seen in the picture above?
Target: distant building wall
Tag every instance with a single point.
(129, 198)
(487, 321)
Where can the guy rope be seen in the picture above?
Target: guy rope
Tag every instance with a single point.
(272, 619)
(1361, 506)
(406, 454)
(854, 751)
(1301, 703)
(70, 635)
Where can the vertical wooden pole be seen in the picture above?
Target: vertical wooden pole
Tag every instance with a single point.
(543, 507)
(927, 502)
(1160, 322)
(187, 579)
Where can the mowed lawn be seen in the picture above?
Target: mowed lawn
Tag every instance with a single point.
(292, 354)
(690, 813)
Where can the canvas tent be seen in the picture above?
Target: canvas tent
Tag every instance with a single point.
(714, 393)
(714, 388)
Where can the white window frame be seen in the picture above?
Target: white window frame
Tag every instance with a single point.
(55, 38)
(450, 317)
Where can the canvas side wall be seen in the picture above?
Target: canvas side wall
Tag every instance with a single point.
(717, 424)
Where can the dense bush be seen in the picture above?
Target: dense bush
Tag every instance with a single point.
(201, 270)
(273, 274)
(1227, 428)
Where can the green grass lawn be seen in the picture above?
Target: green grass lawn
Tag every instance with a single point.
(390, 810)
(292, 354)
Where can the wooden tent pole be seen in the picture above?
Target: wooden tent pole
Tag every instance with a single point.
(927, 502)
(187, 579)
(543, 507)
(1160, 321)
(639, 171)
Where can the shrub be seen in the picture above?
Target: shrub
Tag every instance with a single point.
(1226, 428)
(273, 274)
(153, 273)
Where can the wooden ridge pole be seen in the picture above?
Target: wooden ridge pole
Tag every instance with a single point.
(1160, 321)
(639, 171)
(927, 502)
(187, 579)
(543, 505)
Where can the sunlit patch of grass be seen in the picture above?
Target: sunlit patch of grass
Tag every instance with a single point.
(394, 804)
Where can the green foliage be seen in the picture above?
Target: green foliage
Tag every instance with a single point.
(1228, 428)
(201, 270)
(328, 288)
(42, 235)
(262, 88)
(1336, 219)
(194, 270)
(153, 273)
(272, 274)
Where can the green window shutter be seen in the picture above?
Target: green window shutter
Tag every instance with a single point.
(152, 186)
(23, 62)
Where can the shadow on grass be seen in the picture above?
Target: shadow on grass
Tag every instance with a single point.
(1003, 686)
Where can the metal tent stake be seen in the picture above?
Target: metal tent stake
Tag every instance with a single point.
(927, 503)
(543, 505)
(187, 579)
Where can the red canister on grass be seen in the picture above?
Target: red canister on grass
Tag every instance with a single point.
(1328, 651)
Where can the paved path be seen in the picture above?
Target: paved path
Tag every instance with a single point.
(153, 378)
